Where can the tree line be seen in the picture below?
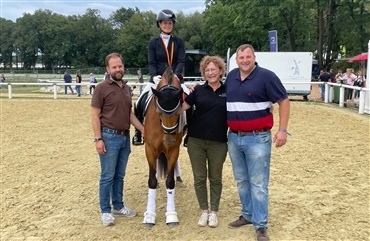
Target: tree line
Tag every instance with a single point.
(328, 28)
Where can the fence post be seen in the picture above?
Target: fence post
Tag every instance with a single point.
(9, 90)
(55, 91)
(341, 97)
(361, 106)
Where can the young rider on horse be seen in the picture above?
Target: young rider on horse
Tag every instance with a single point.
(163, 50)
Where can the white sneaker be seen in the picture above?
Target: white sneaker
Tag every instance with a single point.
(212, 220)
(203, 220)
(125, 211)
(107, 219)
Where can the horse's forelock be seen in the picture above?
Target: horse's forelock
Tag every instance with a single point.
(167, 78)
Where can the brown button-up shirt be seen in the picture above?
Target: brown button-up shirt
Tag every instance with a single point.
(115, 104)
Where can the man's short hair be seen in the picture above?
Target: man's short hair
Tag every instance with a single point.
(109, 56)
(243, 47)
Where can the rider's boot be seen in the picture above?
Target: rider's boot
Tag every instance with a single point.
(137, 139)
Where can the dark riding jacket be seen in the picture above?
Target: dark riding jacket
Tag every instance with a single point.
(157, 56)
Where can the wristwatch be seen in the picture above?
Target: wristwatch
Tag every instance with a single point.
(97, 139)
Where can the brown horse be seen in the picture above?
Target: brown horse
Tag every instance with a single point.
(163, 136)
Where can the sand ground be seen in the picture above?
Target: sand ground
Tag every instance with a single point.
(319, 187)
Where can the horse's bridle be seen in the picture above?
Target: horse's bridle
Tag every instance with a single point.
(169, 130)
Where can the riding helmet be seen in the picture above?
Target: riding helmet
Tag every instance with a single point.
(165, 14)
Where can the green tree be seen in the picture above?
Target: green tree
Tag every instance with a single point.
(27, 37)
(190, 29)
(93, 37)
(120, 16)
(7, 40)
(133, 40)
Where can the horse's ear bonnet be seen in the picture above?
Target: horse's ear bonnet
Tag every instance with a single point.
(169, 97)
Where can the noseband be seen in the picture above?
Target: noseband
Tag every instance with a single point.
(169, 112)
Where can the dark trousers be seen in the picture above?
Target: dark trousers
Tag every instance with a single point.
(350, 92)
(92, 87)
(65, 89)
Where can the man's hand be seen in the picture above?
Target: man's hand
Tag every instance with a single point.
(100, 147)
(280, 138)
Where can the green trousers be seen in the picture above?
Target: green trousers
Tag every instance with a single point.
(207, 159)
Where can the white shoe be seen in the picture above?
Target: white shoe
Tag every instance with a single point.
(212, 220)
(125, 211)
(203, 220)
(107, 219)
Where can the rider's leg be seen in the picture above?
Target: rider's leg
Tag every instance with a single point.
(137, 138)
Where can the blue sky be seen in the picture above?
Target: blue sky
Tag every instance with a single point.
(13, 9)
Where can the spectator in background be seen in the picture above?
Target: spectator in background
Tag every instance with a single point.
(323, 77)
(2, 79)
(349, 79)
(78, 80)
(332, 75)
(92, 80)
(339, 77)
(359, 82)
(106, 76)
(140, 79)
(67, 79)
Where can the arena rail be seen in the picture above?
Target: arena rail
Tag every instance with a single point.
(364, 100)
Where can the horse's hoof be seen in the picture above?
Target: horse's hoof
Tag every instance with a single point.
(172, 219)
(149, 225)
(175, 224)
(149, 219)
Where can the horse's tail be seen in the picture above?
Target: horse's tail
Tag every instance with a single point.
(162, 165)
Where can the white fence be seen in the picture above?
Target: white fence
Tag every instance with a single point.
(364, 100)
(363, 104)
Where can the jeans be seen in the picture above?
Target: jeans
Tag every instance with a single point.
(250, 158)
(322, 91)
(113, 169)
(357, 94)
(65, 89)
(78, 90)
(202, 152)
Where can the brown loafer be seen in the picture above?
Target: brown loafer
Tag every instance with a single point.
(241, 221)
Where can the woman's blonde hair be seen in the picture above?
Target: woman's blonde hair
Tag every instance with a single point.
(217, 60)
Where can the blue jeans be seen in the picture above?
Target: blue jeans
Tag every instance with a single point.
(322, 91)
(78, 90)
(113, 169)
(250, 158)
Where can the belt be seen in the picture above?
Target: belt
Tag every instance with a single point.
(113, 131)
(246, 133)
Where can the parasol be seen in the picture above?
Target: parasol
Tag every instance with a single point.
(359, 57)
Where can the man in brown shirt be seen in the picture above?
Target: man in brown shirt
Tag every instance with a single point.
(111, 118)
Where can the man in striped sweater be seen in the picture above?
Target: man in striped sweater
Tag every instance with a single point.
(250, 91)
